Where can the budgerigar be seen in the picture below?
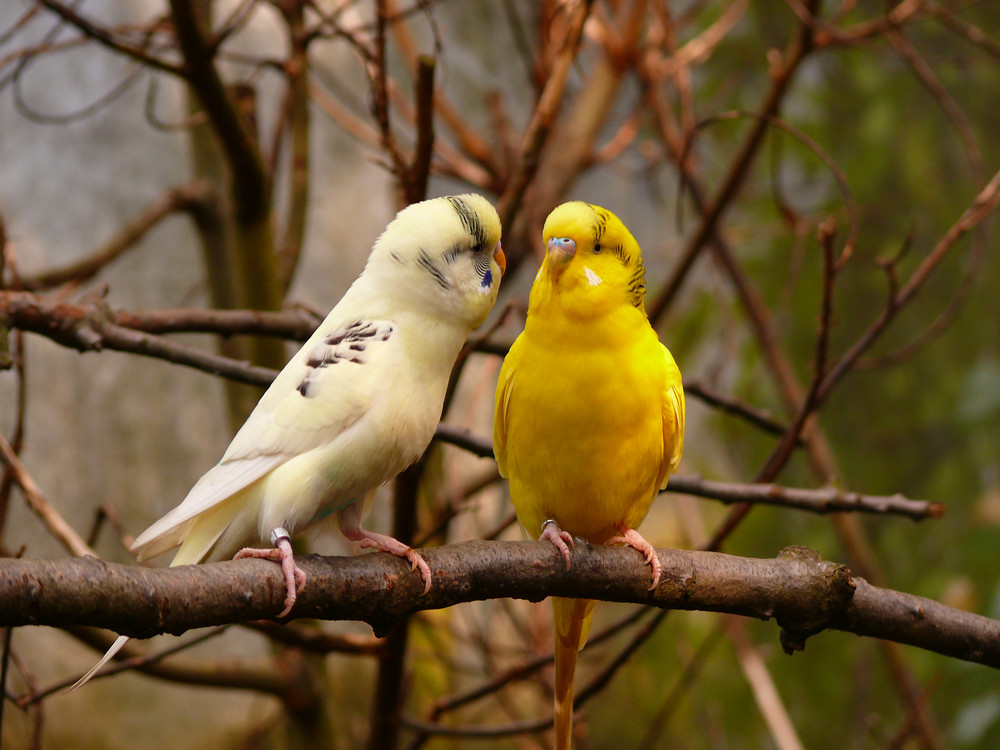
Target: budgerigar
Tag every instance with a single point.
(355, 406)
(589, 419)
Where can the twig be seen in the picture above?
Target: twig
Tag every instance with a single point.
(514, 674)
(104, 37)
(682, 686)
(42, 507)
(762, 686)
(174, 200)
(782, 77)
(758, 417)
(541, 122)
(419, 170)
(824, 500)
(250, 185)
(297, 72)
(378, 71)
(984, 204)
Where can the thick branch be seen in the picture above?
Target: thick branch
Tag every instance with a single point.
(801, 592)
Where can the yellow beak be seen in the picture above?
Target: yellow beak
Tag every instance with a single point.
(500, 258)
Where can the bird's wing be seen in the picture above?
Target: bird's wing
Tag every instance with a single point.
(501, 402)
(327, 387)
(672, 406)
(324, 389)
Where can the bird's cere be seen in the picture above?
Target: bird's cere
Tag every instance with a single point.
(561, 252)
(563, 246)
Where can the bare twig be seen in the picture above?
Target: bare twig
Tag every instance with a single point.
(42, 507)
(103, 36)
(984, 204)
(782, 76)
(541, 122)
(174, 200)
(824, 500)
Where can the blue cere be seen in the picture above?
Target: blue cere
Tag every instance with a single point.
(487, 278)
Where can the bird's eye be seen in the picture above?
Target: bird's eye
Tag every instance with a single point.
(597, 249)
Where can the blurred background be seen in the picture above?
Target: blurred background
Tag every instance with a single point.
(245, 154)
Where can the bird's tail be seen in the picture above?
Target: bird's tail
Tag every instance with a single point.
(571, 622)
(115, 648)
(196, 541)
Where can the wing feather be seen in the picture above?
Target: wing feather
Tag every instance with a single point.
(505, 384)
(327, 387)
(673, 409)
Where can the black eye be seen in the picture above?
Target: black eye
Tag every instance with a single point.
(597, 248)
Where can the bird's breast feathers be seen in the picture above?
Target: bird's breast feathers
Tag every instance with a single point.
(581, 433)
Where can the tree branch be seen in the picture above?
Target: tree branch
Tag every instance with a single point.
(250, 184)
(107, 39)
(88, 328)
(822, 500)
(804, 594)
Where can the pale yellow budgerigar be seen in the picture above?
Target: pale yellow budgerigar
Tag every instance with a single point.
(589, 420)
(355, 406)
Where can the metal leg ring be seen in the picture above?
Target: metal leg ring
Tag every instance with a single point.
(278, 534)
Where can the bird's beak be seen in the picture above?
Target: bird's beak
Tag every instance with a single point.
(561, 252)
(500, 258)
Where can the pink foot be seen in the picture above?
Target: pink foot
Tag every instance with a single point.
(635, 540)
(295, 577)
(369, 539)
(563, 540)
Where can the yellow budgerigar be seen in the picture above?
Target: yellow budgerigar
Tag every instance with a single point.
(589, 420)
(355, 406)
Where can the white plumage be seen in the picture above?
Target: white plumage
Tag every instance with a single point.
(357, 404)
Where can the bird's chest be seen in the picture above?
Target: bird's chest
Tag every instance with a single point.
(584, 440)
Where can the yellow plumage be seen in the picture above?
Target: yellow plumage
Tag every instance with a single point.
(589, 420)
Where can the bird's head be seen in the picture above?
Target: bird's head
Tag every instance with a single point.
(444, 256)
(592, 263)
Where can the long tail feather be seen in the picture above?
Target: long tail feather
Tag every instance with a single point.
(571, 622)
(196, 542)
(108, 656)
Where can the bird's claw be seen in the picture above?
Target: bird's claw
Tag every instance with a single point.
(636, 541)
(562, 540)
(417, 563)
(295, 577)
(395, 547)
